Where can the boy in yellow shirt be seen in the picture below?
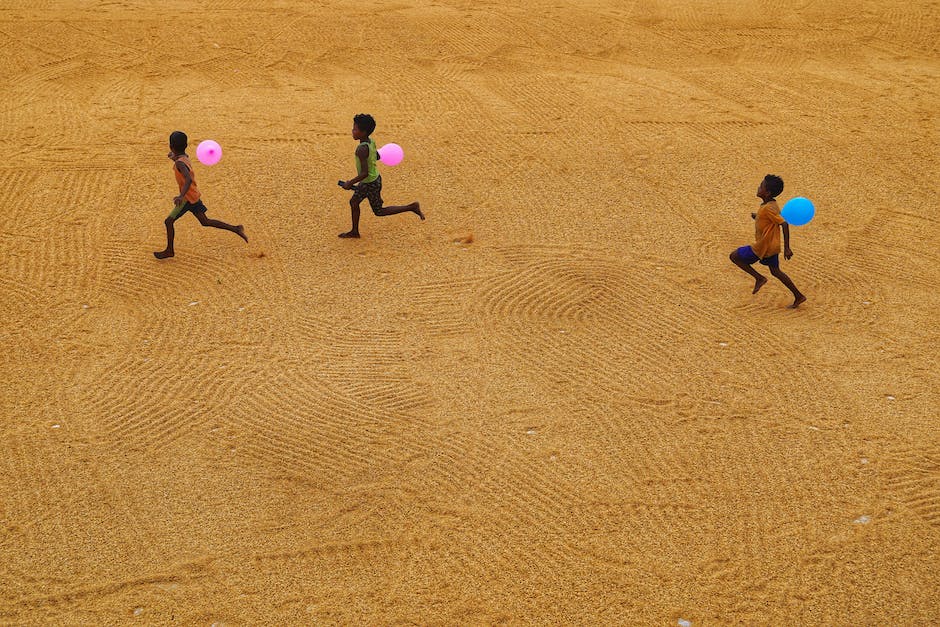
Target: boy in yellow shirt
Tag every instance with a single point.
(766, 248)
(368, 177)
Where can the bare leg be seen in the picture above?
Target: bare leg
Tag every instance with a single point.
(354, 212)
(759, 279)
(218, 224)
(414, 208)
(798, 297)
(170, 234)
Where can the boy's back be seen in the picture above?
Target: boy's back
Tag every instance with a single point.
(767, 230)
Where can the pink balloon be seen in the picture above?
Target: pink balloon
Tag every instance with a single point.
(391, 154)
(208, 152)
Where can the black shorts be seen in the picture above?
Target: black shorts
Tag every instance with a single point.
(747, 254)
(372, 191)
(196, 207)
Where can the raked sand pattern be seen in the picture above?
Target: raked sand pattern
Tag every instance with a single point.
(555, 401)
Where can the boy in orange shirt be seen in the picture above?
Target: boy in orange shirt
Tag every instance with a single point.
(189, 197)
(766, 248)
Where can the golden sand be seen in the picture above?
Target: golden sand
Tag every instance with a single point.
(555, 401)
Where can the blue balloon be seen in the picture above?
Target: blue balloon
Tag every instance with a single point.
(798, 211)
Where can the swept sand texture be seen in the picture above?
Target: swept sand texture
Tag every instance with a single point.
(555, 401)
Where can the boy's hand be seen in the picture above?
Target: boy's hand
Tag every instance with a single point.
(347, 185)
(787, 253)
(178, 200)
(753, 216)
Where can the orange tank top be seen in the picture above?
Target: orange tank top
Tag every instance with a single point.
(192, 195)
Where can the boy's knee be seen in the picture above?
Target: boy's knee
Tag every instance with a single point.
(733, 256)
(776, 271)
(169, 221)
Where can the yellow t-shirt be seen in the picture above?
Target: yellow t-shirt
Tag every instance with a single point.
(767, 230)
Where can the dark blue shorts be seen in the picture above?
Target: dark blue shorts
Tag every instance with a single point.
(747, 254)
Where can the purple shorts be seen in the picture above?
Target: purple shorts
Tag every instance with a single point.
(747, 254)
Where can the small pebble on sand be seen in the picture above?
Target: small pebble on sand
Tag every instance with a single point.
(862, 520)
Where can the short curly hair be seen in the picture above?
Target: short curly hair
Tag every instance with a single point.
(773, 184)
(365, 122)
(178, 141)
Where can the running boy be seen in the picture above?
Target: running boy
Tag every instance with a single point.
(766, 249)
(189, 197)
(371, 182)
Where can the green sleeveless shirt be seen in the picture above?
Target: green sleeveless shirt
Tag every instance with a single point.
(373, 157)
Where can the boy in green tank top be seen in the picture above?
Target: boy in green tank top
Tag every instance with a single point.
(368, 177)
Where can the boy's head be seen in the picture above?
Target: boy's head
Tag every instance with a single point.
(363, 125)
(178, 142)
(771, 186)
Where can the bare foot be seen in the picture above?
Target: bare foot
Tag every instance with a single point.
(240, 231)
(799, 300)
(163, 254)
(416, 207)
(759, 283)
(350, 234)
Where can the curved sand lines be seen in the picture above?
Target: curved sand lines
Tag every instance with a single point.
(317, 413)
(157, 393)
(583, 416)
(567, 321)
(131, 272)
(914, 479)
(297, 421)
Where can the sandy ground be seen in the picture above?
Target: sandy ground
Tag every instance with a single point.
(581, 416)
